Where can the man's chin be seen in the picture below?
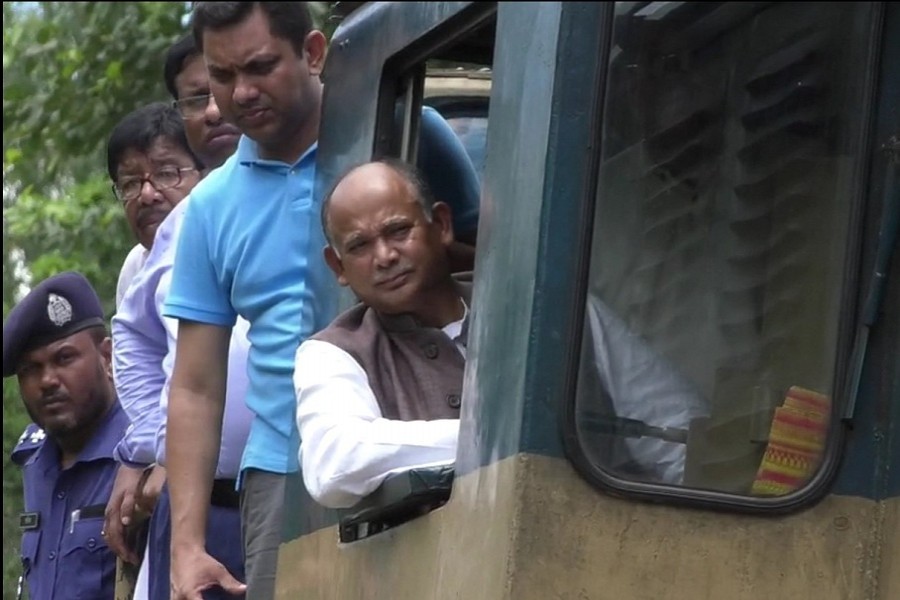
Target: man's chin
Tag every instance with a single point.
(58, 428)
(220, 148)
(394, 302)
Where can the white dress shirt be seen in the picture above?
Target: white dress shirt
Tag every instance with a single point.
(132, 264)
(347, 447)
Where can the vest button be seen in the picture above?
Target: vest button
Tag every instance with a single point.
(431, 351)
(453, 400)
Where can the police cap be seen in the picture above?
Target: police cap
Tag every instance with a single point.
(56, 308)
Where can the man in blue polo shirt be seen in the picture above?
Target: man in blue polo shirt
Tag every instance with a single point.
(250, 246)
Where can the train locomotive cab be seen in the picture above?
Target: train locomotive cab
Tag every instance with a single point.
(682, 375)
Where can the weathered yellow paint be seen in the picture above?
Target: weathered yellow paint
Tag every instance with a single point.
(575, 543)
(889, 572)
(458, 551)
(529, 528)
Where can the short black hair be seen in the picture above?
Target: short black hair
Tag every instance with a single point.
(141, 128)
(289, 21)
(98, 333)
(409, 173)
(177, 55)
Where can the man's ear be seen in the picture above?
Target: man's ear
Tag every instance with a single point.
(442, 220)
(335, 264)
(315, 46)
(105, 349)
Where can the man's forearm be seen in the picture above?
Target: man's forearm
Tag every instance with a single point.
(342, 465)
(194, 429)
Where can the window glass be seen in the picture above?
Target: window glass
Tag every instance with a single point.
(730, 139)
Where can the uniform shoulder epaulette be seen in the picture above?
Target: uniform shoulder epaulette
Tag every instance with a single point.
(31, 439)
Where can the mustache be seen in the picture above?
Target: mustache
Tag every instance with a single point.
(52, 397)
(393, 273)
(223, 128)
(149, 213)
(244, 109)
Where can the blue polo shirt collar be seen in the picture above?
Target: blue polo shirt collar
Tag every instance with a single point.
(248, 154)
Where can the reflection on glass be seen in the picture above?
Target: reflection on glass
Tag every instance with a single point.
(730, 136)
(640, 403)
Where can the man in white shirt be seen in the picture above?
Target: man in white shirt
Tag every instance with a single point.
(379, 389)
(134, 260)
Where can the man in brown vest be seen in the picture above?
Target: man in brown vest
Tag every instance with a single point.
(379, 389)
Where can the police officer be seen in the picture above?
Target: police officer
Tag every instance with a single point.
(55, 341)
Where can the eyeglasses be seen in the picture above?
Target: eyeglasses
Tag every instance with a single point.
(192, 107)
(128, 189)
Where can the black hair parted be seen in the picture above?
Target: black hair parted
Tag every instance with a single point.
(141, 128)
(178, 53)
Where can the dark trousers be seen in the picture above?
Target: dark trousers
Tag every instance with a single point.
(223, 542)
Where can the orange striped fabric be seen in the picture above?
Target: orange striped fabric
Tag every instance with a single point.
(796, 443)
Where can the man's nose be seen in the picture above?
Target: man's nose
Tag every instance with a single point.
(385, 253)
(212, 115)
(149, 194)
(245, 91)
(49, 379)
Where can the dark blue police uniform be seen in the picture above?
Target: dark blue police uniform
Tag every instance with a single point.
(64, 555)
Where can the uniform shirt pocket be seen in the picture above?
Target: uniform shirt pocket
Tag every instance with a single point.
(87, 560)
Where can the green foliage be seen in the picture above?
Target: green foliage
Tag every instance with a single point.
(70, 72)
(14, 422)
(81, 229)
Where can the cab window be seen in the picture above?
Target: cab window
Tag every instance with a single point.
(715, 324)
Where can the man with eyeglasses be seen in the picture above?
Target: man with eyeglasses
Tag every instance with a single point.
(211, 138)
(148, 161)
(145, 216)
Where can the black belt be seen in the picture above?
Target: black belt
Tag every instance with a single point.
(224, 494)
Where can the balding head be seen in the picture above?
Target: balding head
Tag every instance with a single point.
(387, 175)
(387, 241)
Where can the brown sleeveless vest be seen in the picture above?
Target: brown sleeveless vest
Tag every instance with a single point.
(416, 372)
